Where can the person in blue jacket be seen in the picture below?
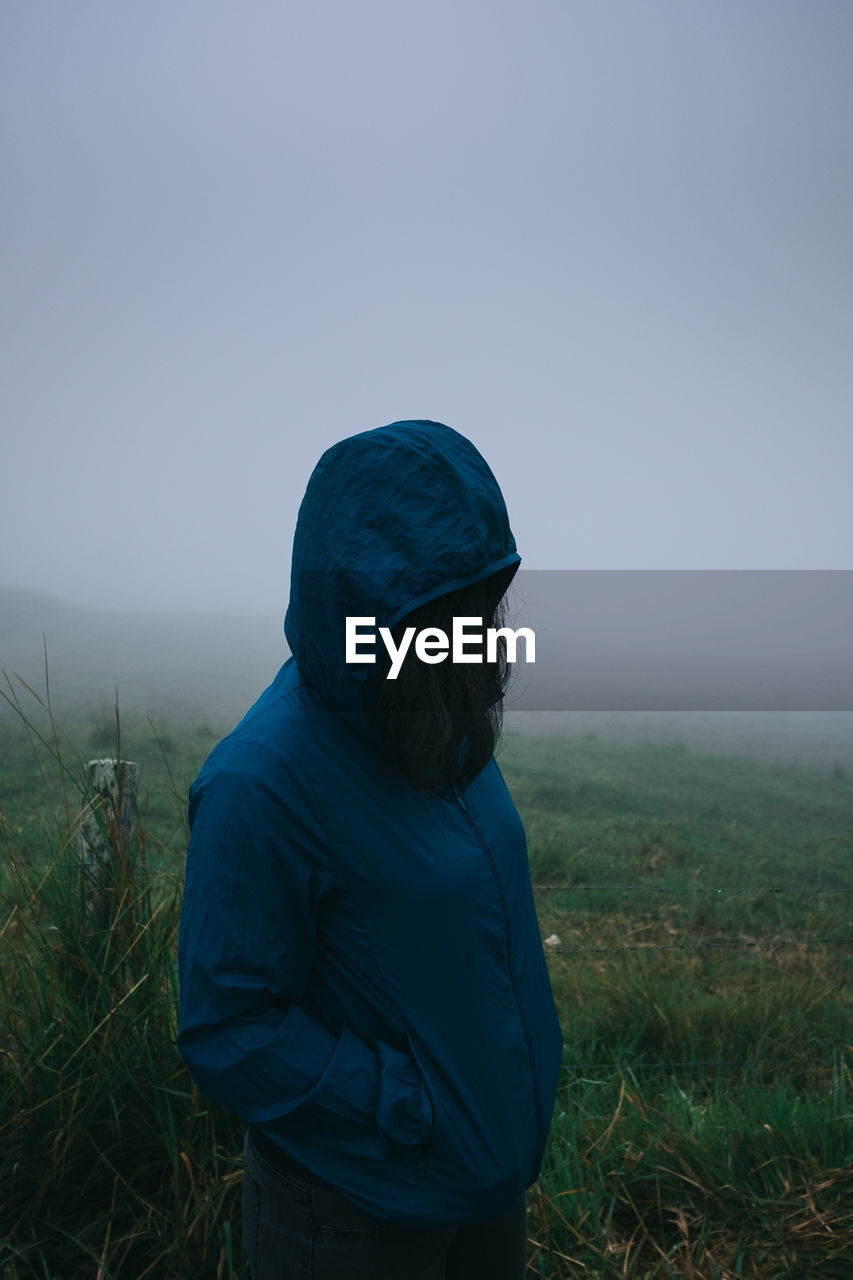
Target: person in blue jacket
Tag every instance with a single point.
(362, 975)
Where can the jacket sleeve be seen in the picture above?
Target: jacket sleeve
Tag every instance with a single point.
(247, 944)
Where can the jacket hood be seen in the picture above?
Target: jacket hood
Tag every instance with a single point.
(391, 518)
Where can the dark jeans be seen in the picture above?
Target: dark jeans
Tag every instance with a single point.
(297, 1227)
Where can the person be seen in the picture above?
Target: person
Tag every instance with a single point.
(362, 975)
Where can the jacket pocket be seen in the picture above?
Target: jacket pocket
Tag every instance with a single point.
(429, 1116)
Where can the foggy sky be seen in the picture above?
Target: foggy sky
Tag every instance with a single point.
(609, 243)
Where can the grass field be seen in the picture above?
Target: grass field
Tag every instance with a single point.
(697, 910)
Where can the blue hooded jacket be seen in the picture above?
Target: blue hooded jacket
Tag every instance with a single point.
(361, 968)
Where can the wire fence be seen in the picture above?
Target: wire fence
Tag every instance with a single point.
(603, 1072)
(734, 943)
(655, 888)
(697, 944)
(703, 1064)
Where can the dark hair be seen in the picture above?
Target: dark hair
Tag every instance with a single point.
(441, 722)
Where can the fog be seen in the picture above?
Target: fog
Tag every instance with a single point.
(206, 669)
(609, 243)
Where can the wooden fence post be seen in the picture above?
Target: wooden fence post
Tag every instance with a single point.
(106, 825)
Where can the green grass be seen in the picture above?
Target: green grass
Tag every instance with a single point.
(703, 1125)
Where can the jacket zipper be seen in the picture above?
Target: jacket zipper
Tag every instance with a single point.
(463, 806)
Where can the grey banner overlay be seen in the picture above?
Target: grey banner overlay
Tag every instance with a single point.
(684, 640)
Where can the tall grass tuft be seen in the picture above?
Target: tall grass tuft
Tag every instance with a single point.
(111, 1163)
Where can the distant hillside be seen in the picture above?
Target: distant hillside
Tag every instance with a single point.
(173, 667)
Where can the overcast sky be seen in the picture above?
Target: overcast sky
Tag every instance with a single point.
(612, 243)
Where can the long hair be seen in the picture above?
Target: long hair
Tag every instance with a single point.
(441, 722)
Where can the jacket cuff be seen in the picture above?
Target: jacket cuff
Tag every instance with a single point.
(404, 1112)
(372, 1084)
(428, 1115)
